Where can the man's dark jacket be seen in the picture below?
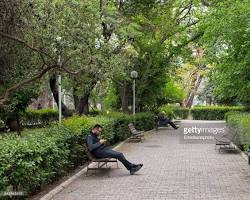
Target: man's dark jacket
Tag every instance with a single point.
(93, 143)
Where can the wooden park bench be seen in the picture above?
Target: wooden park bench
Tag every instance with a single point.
(226, 140)
(100, 162)
(136, 136)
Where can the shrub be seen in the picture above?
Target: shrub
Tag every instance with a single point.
(144, 121)
(29, 162)
(82, 125)
(181, 112)
(241, 124)
(115, 124)
(38, 117)
(120, 123)
(213, 112)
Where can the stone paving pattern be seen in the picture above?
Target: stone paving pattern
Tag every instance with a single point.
(171, 171)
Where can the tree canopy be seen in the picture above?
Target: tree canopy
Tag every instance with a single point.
(96, 44)
(226, 40)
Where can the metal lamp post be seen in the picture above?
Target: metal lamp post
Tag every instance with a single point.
(60, 92)
(134, 75)
(58, 39)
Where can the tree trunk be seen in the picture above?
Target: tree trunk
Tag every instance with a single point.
(124, 97)
(83, 107)
(190, 99)
(76, 99)
(13, 123)
(54, 88)
(209, 101)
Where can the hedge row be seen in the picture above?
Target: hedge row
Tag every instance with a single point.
(213, 112)
(200, 112)
(28, 163)
(241, 124)
(38, 117)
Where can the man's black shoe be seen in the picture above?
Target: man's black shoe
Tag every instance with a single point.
(135, 165)
(135, 169)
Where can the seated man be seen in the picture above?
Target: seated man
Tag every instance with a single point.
(100, 150)
(163, 120)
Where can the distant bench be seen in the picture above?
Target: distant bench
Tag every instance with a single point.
(226, 140)
(136, 136)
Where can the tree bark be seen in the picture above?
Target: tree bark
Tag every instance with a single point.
(197, 82)
(76, 99)
(83, 107)
(124, 97)
(54, 88)
(13, 123)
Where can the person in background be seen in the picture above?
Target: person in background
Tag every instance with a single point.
(39, 106)
(163, 120)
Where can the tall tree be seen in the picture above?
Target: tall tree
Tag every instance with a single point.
(226, 42)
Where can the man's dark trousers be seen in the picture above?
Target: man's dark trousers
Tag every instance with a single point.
(109, 153)
(172, 124)
(167, 121)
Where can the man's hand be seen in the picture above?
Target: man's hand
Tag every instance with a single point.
(102, 141)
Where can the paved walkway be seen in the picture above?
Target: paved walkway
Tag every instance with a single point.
(171, 171)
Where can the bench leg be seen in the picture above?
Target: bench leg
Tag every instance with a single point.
(88, 163)
(100, 166)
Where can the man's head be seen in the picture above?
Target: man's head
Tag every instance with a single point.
(163, 112)
(97, 129)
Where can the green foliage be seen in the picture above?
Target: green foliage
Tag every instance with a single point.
(111, 99)
(173, 93)
(19, 102)
(156, 40)
(181, 112)
(241, 124)
(226, 39)
(144, 121)
(71, 29)
(36, 159)
(40, 157)
(120, 123)
(84, 124)
(100, 40)
(38, 117)
(213, 112)
(17, 62)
